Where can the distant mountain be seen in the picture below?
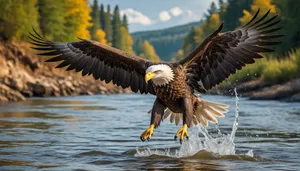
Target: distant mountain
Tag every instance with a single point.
(166, 41)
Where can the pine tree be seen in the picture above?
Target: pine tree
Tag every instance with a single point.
(11, 15)
(264, 6)
(95, 20)
(222, 8)
(77, 17)
(290, 19)
(100, 36)
(213, 9)
(149, 52)
(189, 42)
(125, 21)
(116, 24)
(17, 18)
(197, 35)
(234, 12)
(138, 46)
(31, 18)
(102, 17)
(207, 27)
(51, 19)
(126, 40)
(108, 26)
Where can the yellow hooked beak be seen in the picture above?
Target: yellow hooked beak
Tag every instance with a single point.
(149, 76)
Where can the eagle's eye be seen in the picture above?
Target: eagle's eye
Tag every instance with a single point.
(158, 71)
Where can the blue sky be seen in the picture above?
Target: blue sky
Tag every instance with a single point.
(157, 14)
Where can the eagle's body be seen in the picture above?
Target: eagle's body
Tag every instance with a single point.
(176, 96)
(171, 95)
(174, 84)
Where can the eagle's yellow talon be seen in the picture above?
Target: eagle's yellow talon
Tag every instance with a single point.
(147, 134)
(183, 133)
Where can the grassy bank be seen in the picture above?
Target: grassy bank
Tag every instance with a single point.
(269, 69)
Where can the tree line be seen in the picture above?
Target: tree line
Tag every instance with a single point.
(235, 13)
(66, 20)
(165, 41)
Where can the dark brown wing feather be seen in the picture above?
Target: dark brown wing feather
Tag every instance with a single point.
(222, 54)
(103, 62)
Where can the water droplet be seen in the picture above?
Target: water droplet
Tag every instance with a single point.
(250, 153)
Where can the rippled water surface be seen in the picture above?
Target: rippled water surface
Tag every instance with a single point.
(102, 133)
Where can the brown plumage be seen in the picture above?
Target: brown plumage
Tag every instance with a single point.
(219, 56)
(103, 62)
(222, 54)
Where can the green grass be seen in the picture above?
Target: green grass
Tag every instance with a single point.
(269, 69)
(279, 70)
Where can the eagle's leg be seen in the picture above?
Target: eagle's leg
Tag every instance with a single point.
(183, 133)
(147, 134)
(156, 116)
(187, 119)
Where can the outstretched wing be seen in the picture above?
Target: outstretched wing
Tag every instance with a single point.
(103, 62)
(222, 54)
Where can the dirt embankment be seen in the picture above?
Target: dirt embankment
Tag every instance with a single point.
(23, 74)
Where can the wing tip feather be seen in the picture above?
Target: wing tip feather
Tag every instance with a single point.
(253, 18)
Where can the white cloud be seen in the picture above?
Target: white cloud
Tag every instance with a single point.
(179, 15)
(136, 17)
(164, 16)
(176, 11)
(191, 16)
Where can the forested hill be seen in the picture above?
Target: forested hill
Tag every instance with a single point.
(165, 41)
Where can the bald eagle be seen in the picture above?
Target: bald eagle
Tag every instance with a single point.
(173, 83)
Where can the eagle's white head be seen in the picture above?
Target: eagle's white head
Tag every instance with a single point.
(160, 74)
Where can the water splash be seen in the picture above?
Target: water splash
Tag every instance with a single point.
(236, 119)
(221, 145)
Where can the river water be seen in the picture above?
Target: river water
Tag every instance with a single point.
(102, 133)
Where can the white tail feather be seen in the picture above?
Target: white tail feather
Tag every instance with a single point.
(215, 111)
(203, 121)
(208, 115)
(172, 118)
(178, 117)
(208, 111)
(167, 113)
(205, 111)
(195, 121)
(223, 108)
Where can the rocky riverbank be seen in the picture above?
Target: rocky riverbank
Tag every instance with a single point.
(261, 90)
(23, 75)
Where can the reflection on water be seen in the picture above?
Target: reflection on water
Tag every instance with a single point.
(102, 132)
(35, 102)
(20, 124)
(84, 107)
(14, 163)
(34, 114)
(13, 122)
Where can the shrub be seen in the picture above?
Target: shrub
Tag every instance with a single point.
(280, 70)
(269, 69)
